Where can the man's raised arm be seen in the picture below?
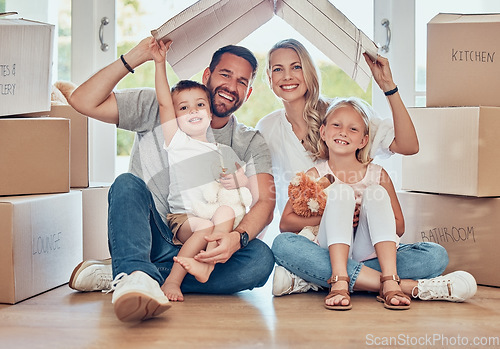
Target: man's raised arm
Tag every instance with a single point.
(95, 97)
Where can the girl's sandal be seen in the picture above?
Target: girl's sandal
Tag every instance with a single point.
(343, 293)
(388, 296)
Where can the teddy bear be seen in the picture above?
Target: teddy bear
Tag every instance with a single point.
(308, 198)
(215, 195)
(61, 90)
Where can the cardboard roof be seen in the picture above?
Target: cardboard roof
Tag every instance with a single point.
(209, 24)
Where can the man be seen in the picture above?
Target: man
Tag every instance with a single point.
(140, 242)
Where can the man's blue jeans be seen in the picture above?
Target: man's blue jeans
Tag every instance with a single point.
(140, 240)
(304, 258)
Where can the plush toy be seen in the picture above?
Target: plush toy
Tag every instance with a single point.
(215, 195)
(308, 198)
(61, 90)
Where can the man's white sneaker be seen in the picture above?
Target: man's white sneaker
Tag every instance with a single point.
(137, 297)
(92, 276)
(454, 287)
(285, 282)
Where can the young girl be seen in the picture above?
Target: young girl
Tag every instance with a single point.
(344, 146)
(185, 115)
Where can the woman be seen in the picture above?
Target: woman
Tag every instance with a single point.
(292, 134)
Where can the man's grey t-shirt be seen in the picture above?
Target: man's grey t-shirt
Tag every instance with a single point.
(138, 112)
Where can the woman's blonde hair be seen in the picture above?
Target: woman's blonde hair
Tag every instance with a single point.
(366, 112)
(315, 106)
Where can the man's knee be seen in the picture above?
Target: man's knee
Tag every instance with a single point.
(263, 254)
(127, 180)
(127, 184)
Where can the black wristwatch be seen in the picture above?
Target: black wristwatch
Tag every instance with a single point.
(243, 238)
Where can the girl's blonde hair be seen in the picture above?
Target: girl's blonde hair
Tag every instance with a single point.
(315, 106)
(366, 112)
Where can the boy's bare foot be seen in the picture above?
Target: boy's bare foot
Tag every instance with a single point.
(201, 271)
(173, 292)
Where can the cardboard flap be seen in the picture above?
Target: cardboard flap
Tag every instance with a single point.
(207, 25)
(332, 33)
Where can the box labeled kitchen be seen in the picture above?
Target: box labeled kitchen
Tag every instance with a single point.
(463, 60)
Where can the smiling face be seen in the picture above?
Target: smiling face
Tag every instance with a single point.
(192, 110)
(229, 84)
(286, 76)
(344, 131)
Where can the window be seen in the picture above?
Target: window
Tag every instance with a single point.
(56, 12)
(63, 39)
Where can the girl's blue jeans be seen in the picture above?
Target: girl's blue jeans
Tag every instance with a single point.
(140, 240)
(304, 258)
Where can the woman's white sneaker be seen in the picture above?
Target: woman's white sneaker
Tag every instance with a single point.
(137, 297)
(454, 287)
(285, 282)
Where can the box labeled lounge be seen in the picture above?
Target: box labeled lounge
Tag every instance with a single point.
(463, 60)
(34, 155)
(458, 151)
(466, 226)
(25, 66)
(41, 243)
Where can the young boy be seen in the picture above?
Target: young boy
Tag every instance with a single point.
(185, 115)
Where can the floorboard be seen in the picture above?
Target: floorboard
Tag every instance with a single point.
(63, 318)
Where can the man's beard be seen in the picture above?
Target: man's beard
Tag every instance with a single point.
(221, 110)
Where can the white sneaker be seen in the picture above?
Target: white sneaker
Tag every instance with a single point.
(92, 276)
(285, 282)
(454, 287)
(137, 297)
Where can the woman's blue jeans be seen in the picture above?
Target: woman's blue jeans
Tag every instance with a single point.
(304, 258)
(140, 240)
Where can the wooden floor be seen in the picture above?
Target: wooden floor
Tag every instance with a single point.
(63, 318)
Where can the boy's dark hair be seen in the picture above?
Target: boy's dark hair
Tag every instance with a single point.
(183, 85)
(239, 51)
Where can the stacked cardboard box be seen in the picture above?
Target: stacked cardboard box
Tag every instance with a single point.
(456, 198)
(43, 154)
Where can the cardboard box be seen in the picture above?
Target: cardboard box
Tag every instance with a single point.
(95, 222)
(41, 243)
(463, 65)
(229, 22)
(458, 151)
(466, 226)
(25, 66)
(79, 160)
(34, 155)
